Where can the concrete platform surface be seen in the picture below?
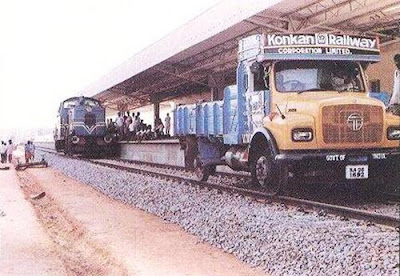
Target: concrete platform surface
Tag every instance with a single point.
(158, 152)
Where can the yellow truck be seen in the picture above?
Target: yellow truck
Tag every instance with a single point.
(300, 107)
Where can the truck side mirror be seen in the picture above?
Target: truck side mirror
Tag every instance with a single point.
(256, 69)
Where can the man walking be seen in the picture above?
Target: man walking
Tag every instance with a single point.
(3, 152)
(10, 149)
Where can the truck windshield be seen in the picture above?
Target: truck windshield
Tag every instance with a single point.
(303, 76)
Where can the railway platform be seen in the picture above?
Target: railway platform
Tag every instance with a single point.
(164, 152)
(154, 151)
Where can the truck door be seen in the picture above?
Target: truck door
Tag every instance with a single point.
(257, 96)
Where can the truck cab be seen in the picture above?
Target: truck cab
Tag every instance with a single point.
(300, 107)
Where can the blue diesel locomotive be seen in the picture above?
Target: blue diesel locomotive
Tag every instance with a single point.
(81, 127)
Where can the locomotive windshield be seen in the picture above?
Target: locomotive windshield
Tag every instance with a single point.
(70, 103)
(88, 102)
(303, 76)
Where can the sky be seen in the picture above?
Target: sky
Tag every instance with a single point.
(53, 49)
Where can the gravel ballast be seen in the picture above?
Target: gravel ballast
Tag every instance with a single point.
(281, 240)
(333, 196)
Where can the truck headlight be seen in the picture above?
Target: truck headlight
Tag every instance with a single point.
(302, 134)
(393, 133)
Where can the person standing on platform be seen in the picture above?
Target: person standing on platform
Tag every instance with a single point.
(3, 152)
(134, 125)
(120, 124)
(137, 121)
(124, 117)
(127, 122)
(131, 128)
(159, 128)
(167, 125)
(132, 117)
(10, 149)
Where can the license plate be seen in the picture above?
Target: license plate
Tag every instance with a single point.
(357, 172)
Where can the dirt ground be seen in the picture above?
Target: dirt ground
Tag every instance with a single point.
(95, 235)
(25, 247)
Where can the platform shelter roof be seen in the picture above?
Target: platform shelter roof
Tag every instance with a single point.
(202, 53)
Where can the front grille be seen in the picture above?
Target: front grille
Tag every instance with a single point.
(337, 126)
(90, 119)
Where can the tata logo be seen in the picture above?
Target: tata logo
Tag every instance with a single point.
(355, 121)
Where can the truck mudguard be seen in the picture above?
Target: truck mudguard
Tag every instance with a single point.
(268, 137)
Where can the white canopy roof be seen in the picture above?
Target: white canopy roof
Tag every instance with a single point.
(202, 53)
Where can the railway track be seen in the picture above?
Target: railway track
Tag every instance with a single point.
(342, 211)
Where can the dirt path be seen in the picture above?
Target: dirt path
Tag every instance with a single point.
(78, 253)
(108, 237)
(25, 248)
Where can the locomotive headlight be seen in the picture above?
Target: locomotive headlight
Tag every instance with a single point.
(108, 139)
(75, 139)
(393, 133)
(302, 134)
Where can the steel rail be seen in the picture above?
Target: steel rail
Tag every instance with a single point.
(345, 212)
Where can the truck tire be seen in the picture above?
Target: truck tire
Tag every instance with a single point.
(265, 173)
(202, 172)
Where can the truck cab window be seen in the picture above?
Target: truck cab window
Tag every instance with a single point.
(302, 76)
(261, 79)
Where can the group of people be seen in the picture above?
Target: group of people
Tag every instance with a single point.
(6, 151)
(131, 127)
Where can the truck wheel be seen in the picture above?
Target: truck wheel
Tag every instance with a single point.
(202, 172)
(265, 173)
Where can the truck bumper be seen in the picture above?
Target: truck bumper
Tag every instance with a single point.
(380, 162)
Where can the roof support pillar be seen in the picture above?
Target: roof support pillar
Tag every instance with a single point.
(217, 84)
(156, 109)
(156, 99)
